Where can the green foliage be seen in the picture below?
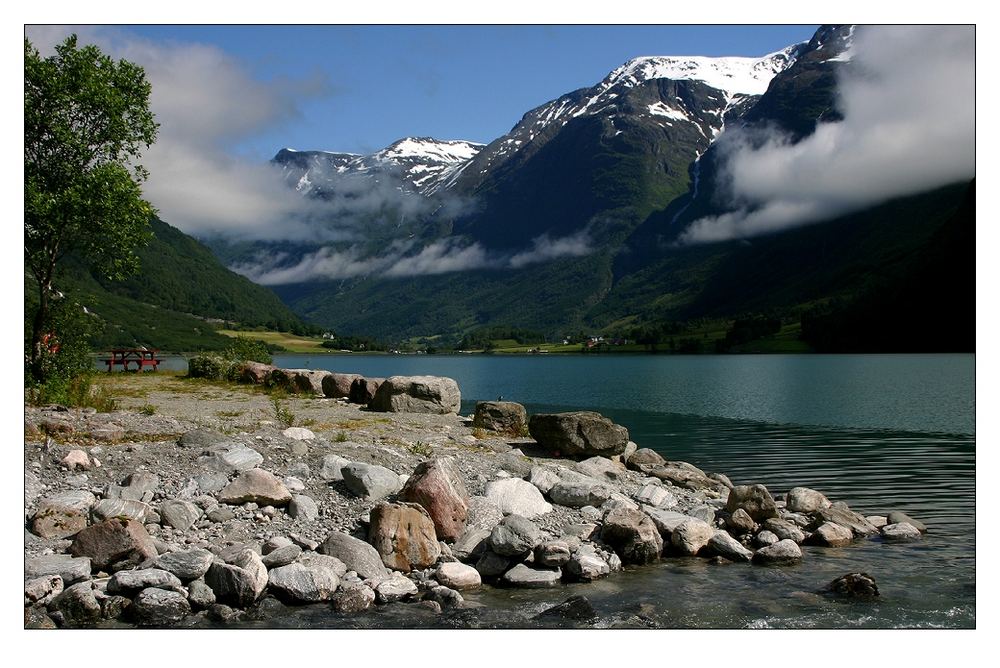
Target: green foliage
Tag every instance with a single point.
(147, 409)
(78, 391)
(353, 343)
(211, 367)
(748, 329)
(86, 122)
(341, 437)
(245, 349)
(282, 412)
(483, 338)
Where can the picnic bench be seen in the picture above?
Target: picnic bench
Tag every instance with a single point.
(135, 359)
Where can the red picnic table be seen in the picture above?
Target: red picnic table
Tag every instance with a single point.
(138, 358)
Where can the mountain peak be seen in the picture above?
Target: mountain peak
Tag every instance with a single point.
(732, 74)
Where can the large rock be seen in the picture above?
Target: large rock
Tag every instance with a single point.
(370, 481)
(755, 500)
(105, 509)
(159, 607)
(525, 576)
(665, 520)
(577, 608)
(338, 385)
(601, 468)
(180, 515)
(471, 544)
(352, 599)
(363, 390)
(303, 508)
(484, 514)
(42, 590)
(580, 494)
(644, 457)
(633, 535)
(845, 518)
(900, 531)
(553, 553)
(308, 582)
(691, 536)
(417, 394)
(503, 417)
(515, 537)
(578, 434)
(78, 605)
(281, 556)
(492, 565)
(829, 534)
(438, 487)
(239, 583)
(256, 486)
(357, 555)
(514, 496)
(186, 564)
(858, 586)
(70, 569)
(726, 546)
(298, 381)
(403, 535)
(783, 552)
(805, 500)
(586, 564)
(116, 543)
(134, 580)
(55, 520)
(232, 457)
(254, 373)
(396, 587)
(458, 576)
(783, 529)
(332, 467)
(897, 517)
(683, 477)
(656, 496)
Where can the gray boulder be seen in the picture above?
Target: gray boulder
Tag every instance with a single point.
(515, 537)
(129, 581)
(492, 565)
(78, 605)
(363, 390)
(783, 529)
(665, 520)
(586, 564)
(200, 595)
(897, 517)
(180, 515)
(471, 544)
(281, 556)
(552, 553)
(805, 500)
(633, 535)
(691, 536)
(504, 417)
(395, 587)
(755, 500)
(900, 531)
(357, 555)
(370, 481)
(352, 599)
(159, 607)
(303, 508)
(69, 568)
(601, 468)
(308, 582)
(525, 576)
(544, 478)
(726, 546)
(338, 385)
(232, 457)
(783, 552)
(256, 486)
(657, 496)
(845, 518)
(578, 434)
(239, 583)
(187, 564)
(765, 538)
(332, 467)
(105, 509)
(417, 394)
(580, 494)
(644, 457)
(458, 576)
(514, 496)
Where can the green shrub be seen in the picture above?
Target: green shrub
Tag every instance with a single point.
(281, 412)
(77, 392)
(211, 367)
(245, 349)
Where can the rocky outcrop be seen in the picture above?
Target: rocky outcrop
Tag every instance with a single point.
(438, 488)
(417, 394)
(578, 434)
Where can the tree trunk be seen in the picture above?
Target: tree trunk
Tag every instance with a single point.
(38, 331)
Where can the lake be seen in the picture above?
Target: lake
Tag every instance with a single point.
(881, 432)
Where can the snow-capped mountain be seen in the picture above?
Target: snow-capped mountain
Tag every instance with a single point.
(414, 164)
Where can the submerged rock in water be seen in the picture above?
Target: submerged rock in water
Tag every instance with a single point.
(576, 607)
(853, 586)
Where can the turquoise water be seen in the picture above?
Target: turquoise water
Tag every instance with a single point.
(881, 432)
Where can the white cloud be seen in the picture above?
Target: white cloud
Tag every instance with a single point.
(545, 248)
(908, 100)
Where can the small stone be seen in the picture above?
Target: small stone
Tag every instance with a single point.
(187, 564)
(445, 597)
(765, 538)
(353, 599)
(298, 434)
(783, 529)
(897, 517)
(691, 536)
(200, 595)
(657, 496)
(740, 522)
(726, 546)
(256, 486)
(220, 514)
(76, 460)
(332, 467)
(586, 564)
(281, 556)
(396, 587)
(858, 586)
(552, 553)
(523, 576)
(900, 531)
(304, 582)
(805, 500)
(180, 515)
(303, 508)
(293, 484)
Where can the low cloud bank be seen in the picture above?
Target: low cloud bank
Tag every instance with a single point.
(908, 100)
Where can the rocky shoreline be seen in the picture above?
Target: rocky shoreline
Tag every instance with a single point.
(198, 503)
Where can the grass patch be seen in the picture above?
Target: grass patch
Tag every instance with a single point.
(288, 341)
(228, 414)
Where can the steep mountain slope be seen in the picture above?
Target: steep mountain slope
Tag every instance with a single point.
(169, 304)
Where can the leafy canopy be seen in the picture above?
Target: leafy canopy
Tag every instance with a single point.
(86, 122)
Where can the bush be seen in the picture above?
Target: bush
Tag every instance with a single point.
(245, 349)
(211, 367)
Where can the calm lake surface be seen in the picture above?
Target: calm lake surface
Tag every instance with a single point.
(881, 432)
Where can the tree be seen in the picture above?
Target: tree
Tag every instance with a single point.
(86, 122)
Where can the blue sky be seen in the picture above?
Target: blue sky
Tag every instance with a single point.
(371, 85)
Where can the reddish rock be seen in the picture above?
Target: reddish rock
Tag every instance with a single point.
(254, 373)
(76, 459)
(363, 390)
(116, 542)
(55, 520)
(438, 488)
(256, 486)
(403, 535)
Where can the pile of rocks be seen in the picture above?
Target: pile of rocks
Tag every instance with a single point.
(217, 529)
